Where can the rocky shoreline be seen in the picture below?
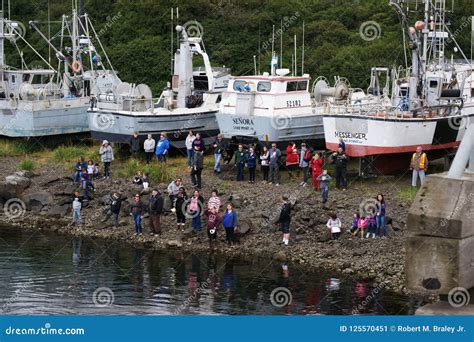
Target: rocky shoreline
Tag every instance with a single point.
(42, 201)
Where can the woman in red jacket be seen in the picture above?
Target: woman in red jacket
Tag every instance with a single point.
(292, 158)
(316, 166)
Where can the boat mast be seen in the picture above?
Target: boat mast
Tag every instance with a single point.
(2, 37)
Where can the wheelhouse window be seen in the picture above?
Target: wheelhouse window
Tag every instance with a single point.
(239, 85)
(296, 86)
(264, 86)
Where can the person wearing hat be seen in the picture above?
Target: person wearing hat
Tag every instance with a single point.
(106, 155)
(155, 208)
(115, 206)
(162, 148)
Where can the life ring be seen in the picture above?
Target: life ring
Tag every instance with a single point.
(76, 66)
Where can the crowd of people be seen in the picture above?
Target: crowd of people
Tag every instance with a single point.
(301, 163)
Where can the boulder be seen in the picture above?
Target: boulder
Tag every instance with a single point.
(59, 210)
(166, 203)
(18, 180)
(280, 256)
(36, 199)
(244, 227)
(174, 243)
(236, 200)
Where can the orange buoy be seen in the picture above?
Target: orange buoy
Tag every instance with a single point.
(76, 66)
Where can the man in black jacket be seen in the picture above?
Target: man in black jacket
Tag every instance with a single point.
(196, 171)
(339, 159)
(115, 206)
(155, 208)
(135, 144)
(285, 219)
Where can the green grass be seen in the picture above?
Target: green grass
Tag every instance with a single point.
(9, 148)
(70, 154)
(407, 194)
(158, 173)
(27, 165)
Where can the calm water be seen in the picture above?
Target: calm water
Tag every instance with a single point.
(50, 274)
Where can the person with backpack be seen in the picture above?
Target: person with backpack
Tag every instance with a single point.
(285, 220)
(334, 225)
(155, 209)
(230, 222)
(265, 162)
(251, 164)
(305, 159)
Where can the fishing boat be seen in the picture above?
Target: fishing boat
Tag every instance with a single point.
(36, 102)
(189, 102)
(430, 104)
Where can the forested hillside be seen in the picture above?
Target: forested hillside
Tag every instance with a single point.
(136, 34)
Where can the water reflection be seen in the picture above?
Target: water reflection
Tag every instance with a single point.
(152, 282)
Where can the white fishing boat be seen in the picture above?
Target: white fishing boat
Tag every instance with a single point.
(190, 101)
(429, 105)
(36, 102)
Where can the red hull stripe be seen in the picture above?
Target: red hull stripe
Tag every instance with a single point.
(362, 151)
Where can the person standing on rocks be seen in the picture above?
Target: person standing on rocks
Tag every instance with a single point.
(380, 217)
(230, 222)
(149, 147)
(419, 165)
(305, 159)
(214, 201)
(219, 148)
(285, 220)
(292, 159)
(136, 211)
(155, 209)
(134, 143)
(372, 228)
(189, 148)
(274, 175)
(162, 148)
(106, 156)
(251, 164)
(316, 165)
(334, 224)
(240, 158)
(361, 226)
(173, 190)
(324, 180)
(195, 210)
(198, 143)
(115, 206)
(76, 211)
(181, 207)
(213, 221)
(339, 159)
(196, 171)
(264, 162)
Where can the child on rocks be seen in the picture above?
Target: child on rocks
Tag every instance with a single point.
(90, 169)
(372, 226)
(251, 164)
(96, 171)
(181, 203)
(76, 211)
(137, 179)
(214, 200)
(145, 181)
(230, 221)
(213, 221)
(324, 180)
(285, 220)
(334, 225)
(361, 226)
(355, 222)
(195, 208)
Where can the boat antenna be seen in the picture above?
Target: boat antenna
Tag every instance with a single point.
(259, 49)
(177, 23)
(172, 43)
(273, 43)
(255, 64)
(296, 70)
(281, 43)
(302, 52)
(49, 33)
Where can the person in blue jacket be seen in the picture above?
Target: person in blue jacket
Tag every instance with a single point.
(162, 148)
(229, 221)
(251, 164)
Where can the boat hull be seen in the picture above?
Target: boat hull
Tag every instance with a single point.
(44, 118)
(280, 129)
(369, 136)
(118, 127)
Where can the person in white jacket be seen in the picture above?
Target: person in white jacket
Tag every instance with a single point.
(76, 211)
(189, 147)
(149, 147)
